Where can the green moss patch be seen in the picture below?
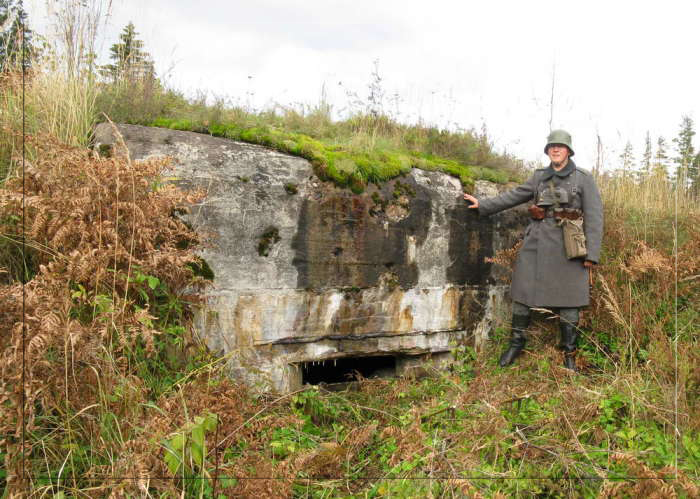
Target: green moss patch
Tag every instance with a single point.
(403, 190)
(105, 150)
(201, 268)
(341, 164)
(270, 237)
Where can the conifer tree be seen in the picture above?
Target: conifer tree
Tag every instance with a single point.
(627, 160)
(645, 170)
(130, 61)
(686, 172)
(660, 159)
(13, 28)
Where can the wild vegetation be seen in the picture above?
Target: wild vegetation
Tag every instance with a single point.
(120, 400)
(105, 392)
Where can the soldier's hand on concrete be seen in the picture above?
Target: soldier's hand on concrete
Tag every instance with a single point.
(471, 199)
(588, 264)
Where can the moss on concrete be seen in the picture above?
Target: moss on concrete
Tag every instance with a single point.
(201, 268)
(342, 165)
(270, 237)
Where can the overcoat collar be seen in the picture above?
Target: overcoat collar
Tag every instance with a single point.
(549, 172)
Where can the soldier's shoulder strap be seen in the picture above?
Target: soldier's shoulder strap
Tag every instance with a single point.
(585, 172)
(538, 172)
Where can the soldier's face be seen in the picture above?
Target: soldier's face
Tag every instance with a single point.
(558, 154)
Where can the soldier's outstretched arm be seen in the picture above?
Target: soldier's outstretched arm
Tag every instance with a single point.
(520, 194)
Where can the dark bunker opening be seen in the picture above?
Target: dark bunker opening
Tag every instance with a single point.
(345, 369)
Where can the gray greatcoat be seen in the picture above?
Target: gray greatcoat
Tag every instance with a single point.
(543, 277)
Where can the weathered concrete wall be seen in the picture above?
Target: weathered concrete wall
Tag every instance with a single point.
(399, 269)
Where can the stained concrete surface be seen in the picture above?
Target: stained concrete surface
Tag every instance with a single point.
(346, 275)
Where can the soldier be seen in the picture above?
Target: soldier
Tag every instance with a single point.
(547, 274)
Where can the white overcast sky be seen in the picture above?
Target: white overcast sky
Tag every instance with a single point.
(622, 67)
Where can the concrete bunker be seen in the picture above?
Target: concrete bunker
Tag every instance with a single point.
(394, 276)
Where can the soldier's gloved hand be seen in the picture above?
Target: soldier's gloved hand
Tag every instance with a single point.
(471, 199)
(588, 264)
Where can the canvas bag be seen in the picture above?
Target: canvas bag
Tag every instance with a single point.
(574, 238)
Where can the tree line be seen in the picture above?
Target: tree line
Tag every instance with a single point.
(129, 61)
(678, 162)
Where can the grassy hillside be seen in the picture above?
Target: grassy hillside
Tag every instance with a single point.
(121, 401)
(352, 152)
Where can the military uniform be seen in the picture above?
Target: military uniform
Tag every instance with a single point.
(543, 276)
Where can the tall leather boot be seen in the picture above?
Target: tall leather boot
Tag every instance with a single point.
(569, 343)
(517, 339)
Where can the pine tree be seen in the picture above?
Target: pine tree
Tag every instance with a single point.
(645, 170)
(695, 170)
(13, 28)
(660, 159)
(686, 172)
(130, 61)
(627, 160)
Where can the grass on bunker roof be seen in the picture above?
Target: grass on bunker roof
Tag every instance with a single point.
(365, 149)
(364, 145)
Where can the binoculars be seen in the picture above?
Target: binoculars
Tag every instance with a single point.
(549, 197)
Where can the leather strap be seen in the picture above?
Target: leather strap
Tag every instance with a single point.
(568, 214)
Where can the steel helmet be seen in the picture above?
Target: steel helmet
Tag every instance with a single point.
(559, 137)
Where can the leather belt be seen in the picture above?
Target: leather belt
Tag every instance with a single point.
(570, 215)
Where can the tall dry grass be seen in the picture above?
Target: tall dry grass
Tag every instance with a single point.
(646, 298)
(61, 107)
(654, 196)
(45, 101)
